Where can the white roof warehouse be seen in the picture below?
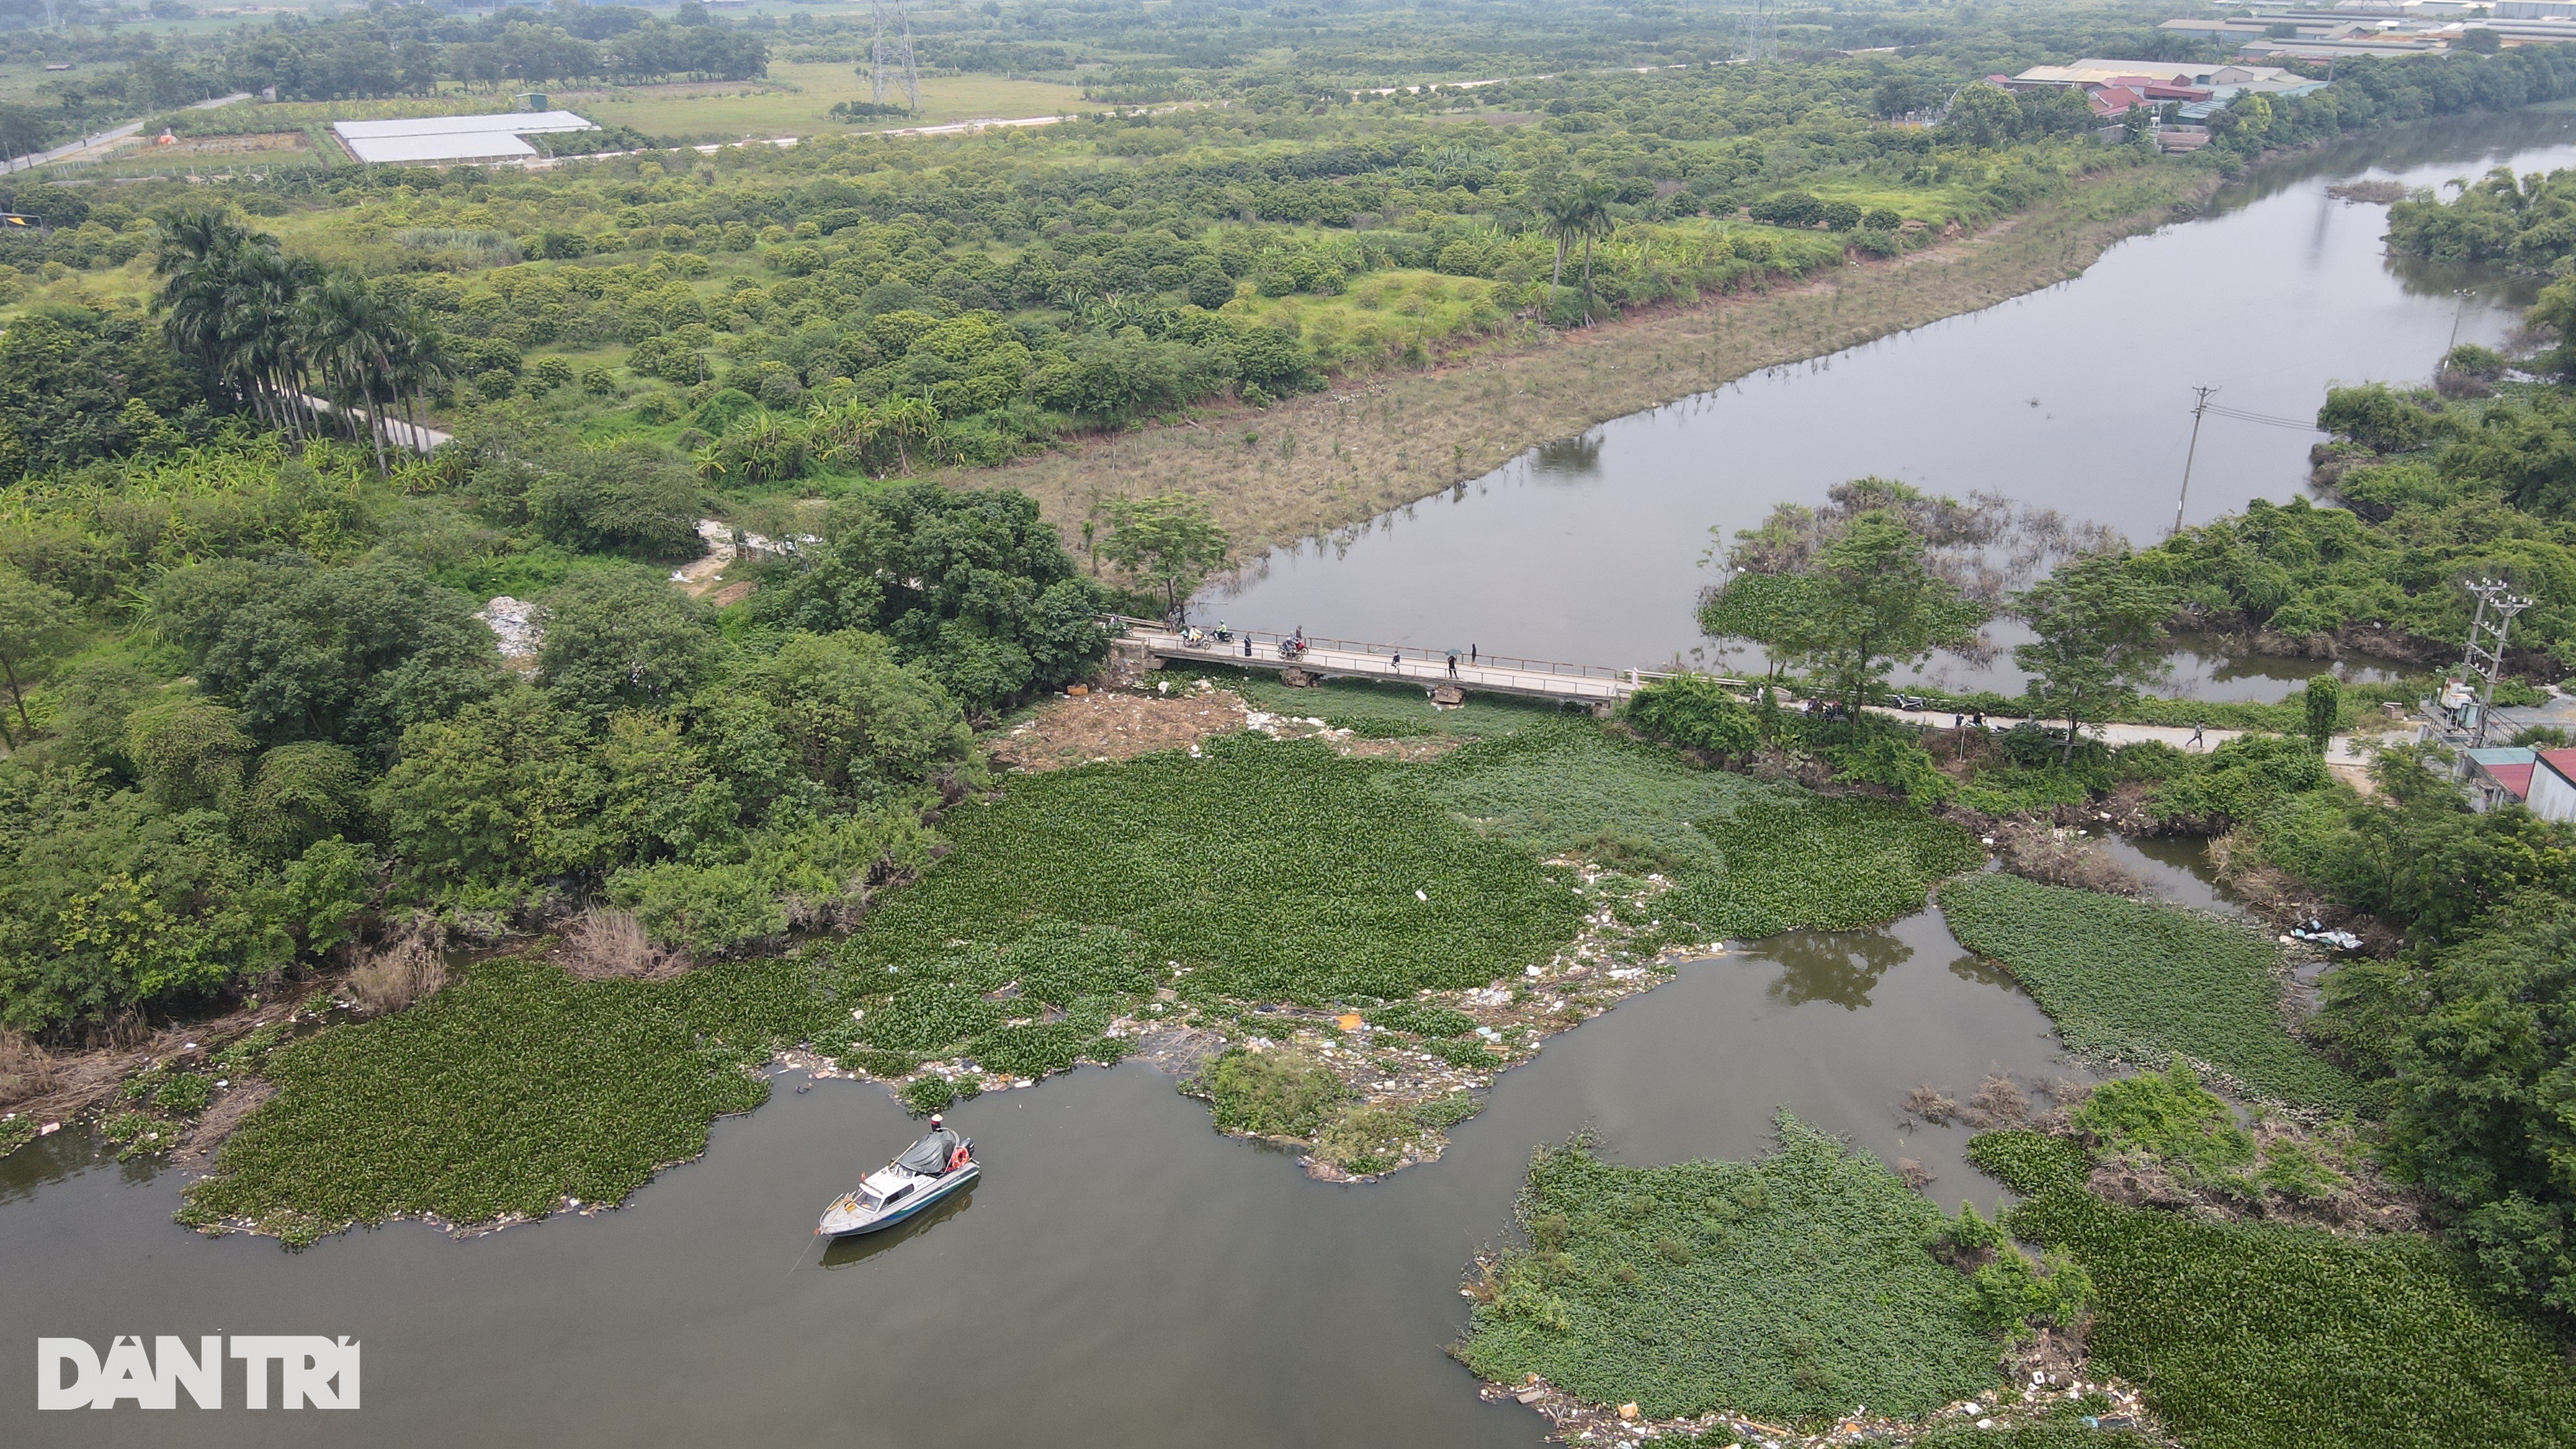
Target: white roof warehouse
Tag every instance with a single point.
(454, 138)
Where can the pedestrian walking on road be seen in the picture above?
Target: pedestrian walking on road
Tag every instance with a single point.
(1247, 646)
(1399, 661)
(1453, 664)
(2195, 737)
(1471, 653)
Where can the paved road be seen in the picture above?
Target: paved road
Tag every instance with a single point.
(2341, 750)
(101, 138)
(420, 439)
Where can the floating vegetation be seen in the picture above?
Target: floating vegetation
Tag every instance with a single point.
(2146, 983)
(502, 1097)
(1788, 1288)
(2251, 1335)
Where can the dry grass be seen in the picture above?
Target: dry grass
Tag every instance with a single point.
(26, 1069)
(2062, 857)
(1103, 726)
(603, 944)
(404, 969)
(1335, 459)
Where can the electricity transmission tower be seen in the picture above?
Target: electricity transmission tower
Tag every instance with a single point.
(893, 52)
(2485, 657)
(1757, 32)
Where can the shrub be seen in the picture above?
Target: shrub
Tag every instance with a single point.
(1267, 1094)
(1366, 1141)
(1696, 713)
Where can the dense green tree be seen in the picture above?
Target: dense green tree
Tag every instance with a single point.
(2101, 636)
(188, 754)
(629, 499)
(623, 637)
(2483, 1102)
(1983, 114)
(37, 625)
(506, 790)
(1170, 542)
(975, 586)
(299, 795)
(1863, 602)
(2323, 698)
(857, 720)
(351, 655)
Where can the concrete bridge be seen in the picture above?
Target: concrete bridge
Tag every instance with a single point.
(1593, 684)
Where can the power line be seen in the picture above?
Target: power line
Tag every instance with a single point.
(2266, 419)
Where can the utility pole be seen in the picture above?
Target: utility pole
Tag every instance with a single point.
(2197, 409)
(2485, 656)
(2458, 312)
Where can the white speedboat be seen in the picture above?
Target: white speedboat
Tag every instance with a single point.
(930, 1171)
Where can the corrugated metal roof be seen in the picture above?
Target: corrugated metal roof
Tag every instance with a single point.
(489, 146)
(516, 123)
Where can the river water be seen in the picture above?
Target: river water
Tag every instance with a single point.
(2076, 398)
(1123, 1275)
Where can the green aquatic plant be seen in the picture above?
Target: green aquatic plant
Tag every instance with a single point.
(512, 1090)
(1791, 1287)
(2145, 983)
(2253, 1335)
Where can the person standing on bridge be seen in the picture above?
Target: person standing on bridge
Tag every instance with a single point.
(1399, 661)
(1471, 653)
(1247, 644)
(1453, 664)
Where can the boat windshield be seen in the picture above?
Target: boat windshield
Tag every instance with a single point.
(867, 1199)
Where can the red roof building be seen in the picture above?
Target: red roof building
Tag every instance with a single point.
(2112, 101)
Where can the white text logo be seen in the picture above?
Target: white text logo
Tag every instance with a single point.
(312, 1372)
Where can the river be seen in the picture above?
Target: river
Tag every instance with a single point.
(1123, 1275)
(2076, 398)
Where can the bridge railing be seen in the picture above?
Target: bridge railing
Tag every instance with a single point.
(1266, 650)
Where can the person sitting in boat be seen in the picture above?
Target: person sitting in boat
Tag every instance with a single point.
(931, 1155)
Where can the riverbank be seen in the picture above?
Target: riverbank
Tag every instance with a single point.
(1330, 460)
(1337, 927)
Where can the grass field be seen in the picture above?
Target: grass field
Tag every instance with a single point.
(725, 112)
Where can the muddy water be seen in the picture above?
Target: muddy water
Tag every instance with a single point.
(1125, 1276)
(1121, 1276)
(2076, 398)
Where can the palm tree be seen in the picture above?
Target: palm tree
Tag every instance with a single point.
(1591, 204)
(349, 334)
(198, 250)
(420, 358)
(1561, 219)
